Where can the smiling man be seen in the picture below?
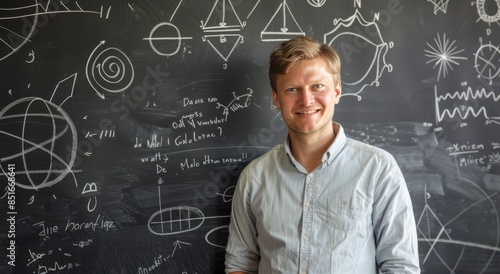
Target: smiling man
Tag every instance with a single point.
(321, 202)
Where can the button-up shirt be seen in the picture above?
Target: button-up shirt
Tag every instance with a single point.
(352, 214)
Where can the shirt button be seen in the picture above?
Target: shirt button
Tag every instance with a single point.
(306, 238)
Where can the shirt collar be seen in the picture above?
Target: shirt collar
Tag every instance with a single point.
(337, 144)
(330, 154)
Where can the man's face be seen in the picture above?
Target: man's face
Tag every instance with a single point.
(307, 96)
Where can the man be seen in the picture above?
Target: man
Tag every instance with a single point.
(320, 202)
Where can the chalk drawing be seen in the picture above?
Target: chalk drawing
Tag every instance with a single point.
(444, 54)
(373, 52)
(109, 70)
(165, 39)
(282, 25)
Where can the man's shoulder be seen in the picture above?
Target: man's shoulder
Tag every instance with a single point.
(261, 165)
(269, 156)
(367, 149)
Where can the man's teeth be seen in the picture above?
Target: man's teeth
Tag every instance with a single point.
(308, 112)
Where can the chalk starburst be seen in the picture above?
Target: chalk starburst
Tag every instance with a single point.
(444, 54)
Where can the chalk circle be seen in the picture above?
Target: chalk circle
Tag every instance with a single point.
(486, 15)
(40, 139)
(483, 60)
(165, 36)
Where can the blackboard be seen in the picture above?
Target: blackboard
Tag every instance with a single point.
(124, 124)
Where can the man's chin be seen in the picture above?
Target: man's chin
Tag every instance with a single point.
(304, 131)
(308, 130)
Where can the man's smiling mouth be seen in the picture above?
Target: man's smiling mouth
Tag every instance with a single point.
(308, 111)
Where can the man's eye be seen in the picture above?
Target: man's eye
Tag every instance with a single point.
(319, 86)
(291, 89)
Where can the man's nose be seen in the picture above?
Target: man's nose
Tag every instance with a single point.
(307, 97)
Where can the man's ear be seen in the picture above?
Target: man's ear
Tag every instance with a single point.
(276, 100)
(338, 92)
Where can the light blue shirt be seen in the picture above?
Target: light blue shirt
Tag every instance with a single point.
(352, 214)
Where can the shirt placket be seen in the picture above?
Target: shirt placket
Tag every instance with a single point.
(307, 224)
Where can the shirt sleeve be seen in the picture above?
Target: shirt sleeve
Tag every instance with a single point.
(394, 223)
(242, 252)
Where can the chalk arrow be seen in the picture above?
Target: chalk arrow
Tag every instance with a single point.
(178, 244)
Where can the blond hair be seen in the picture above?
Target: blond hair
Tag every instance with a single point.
(288, 54)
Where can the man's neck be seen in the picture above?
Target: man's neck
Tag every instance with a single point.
(308, 149)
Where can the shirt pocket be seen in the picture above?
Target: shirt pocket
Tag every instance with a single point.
(344, 213)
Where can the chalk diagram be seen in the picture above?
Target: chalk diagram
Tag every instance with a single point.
(444, 54)
(345, 38)
(182, 219)
(227, 195)
(19, 22)
(38, 131)
(223, 34)
(109, 70)
(486, 12)
(165, 39)
(440, 5)
(450, 228)
(238, 102)
(316, 3)
(487, 61)
(12, 37)
(463, 111)
(282, 26)
(175, 220)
